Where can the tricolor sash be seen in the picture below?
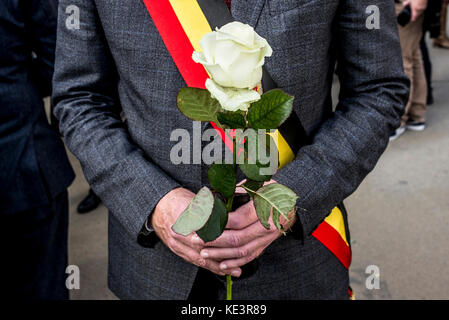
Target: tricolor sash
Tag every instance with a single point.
(181, 25)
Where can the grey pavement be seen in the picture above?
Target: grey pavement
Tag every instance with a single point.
(399, 217)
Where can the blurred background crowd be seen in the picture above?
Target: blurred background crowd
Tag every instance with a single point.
(35, 172)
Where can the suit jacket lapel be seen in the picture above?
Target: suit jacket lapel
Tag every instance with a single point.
(247, 11)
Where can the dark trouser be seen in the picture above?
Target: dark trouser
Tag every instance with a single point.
(33, 246)
(427, 64)
(206, 287)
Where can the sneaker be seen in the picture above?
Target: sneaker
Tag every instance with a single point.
(397, 133)
(415, 126)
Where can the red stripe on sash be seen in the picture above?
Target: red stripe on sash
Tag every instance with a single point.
(332, 240)
(180, 49)
(177, 42)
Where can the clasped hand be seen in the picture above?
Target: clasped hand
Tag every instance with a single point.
(243, 240)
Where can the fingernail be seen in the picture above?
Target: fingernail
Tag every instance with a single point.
(235, 273)
(204, 254)
(223, 266)
(196, 239)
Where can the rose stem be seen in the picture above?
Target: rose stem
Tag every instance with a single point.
(229, 208)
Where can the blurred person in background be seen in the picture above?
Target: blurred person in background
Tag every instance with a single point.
(443, 40)
(411, 18)
(431, 24)
(34, 169)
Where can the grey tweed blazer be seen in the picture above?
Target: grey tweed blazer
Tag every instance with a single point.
(116, 61)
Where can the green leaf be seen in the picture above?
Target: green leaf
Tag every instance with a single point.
(197, 104)
(276, 216)
(273, 108)
(234, 120)
(216, 223)
(195, 216)
(277, 196)
(252, 186)
(222, 179)
(252, 171)
(252, 167)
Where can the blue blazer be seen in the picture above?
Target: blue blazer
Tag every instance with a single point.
(33, 163)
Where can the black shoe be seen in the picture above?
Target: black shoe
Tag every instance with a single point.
(89, 203)
(415, 126)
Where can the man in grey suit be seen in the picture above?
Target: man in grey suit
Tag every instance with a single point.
(115, 61)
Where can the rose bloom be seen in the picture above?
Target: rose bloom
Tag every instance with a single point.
(233, 55)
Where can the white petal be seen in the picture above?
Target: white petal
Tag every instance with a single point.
(242, 71)
(263, 43)
(237, 31)
(227, 51)
(220, 76)
(199, 57)
(208, 44)
(232, 99)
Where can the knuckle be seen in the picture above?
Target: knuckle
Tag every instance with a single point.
(234, 240)
(242, 252)
(201, 262)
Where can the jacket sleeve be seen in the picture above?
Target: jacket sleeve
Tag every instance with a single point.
(373, 94)
(86, 104)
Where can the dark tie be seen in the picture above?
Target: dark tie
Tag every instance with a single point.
(228, 3)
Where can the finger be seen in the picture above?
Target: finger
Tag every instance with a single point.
(241, 182)
(242, 217)
(238, 238)
(269, 182)
(214, 267)
(220, 254)
(193, 241)
(192, 256)
(254, 250)
(226, 265)
(240, 190)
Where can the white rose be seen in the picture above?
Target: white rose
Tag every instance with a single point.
(234, 55)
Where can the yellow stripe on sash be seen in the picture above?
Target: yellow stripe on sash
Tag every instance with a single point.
(192, 20)
(335, 220)
(286, 154)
